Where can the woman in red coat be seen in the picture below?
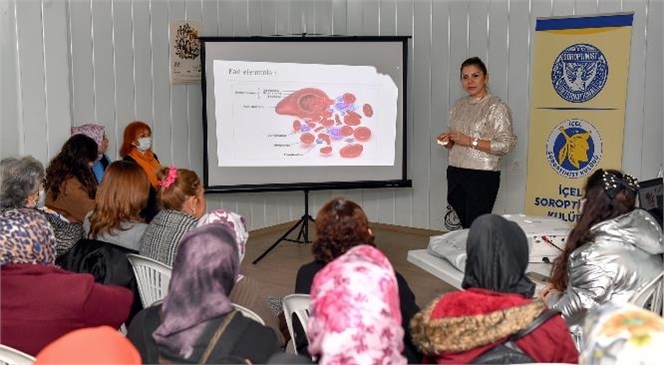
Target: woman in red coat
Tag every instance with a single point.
(41, 302)
(460, 326)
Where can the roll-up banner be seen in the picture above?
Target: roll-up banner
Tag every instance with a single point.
(577, 117)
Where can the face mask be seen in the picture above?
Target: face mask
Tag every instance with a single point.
(144, 144)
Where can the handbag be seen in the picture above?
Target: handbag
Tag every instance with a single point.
(508, 352)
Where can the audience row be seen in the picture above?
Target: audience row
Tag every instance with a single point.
(362, 311)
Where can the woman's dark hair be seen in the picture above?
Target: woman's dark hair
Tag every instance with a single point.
(602, 203)
(340, 225)
(73, 161)
(473, 61)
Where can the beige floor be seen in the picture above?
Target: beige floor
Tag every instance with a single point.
(278, 269)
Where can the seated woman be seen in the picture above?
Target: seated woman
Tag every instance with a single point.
(137, 147)
(121, 197)
(41, 302)
(460, 326)
(70, 185)
(610, 254)
(21, 183)
(182, 204)
(197, 322)
(246, 292)
(97, 133)
(355, 316)
(340, 225)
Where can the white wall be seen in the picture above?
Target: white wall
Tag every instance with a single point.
(71, 61)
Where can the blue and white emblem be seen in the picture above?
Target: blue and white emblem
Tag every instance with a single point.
(579, 73)
(574, 148)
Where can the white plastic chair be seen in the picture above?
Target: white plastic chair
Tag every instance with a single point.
(249, 313)
(655, 290)
(12, 356)
(297, 304)
(152, 278)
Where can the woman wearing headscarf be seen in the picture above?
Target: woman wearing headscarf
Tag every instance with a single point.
(197, 322)
(460, 326)
(340, 225)
(246, 292)
(609, 255)
(41, 302)
(98, 134)
(354, 311)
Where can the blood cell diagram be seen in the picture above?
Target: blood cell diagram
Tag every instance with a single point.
(328, 125)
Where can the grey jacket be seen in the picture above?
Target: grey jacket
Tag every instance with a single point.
(626, 253)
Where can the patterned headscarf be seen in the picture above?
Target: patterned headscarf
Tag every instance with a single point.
(204, 273)
(355, 313)
(622, 334)
(26, 238)
(92, 130)
(235, 222)
(497, 251)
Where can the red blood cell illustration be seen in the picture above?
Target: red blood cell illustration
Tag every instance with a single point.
(324, 137)
(362, 134)
(336, 118)
(346, 131)
(327, 123)
(368, 110)
(297, 125)
(349, 98)
(352, 118)
(326, 150)
(307, 138)
(351, 151)
(326, 113)
(307, 103)
(319, 129)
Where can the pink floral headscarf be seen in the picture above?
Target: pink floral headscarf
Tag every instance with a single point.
(355, 313)
(233, 221)
(92, 130)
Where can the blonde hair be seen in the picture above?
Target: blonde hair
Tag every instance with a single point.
(174, 196)
(122, 195)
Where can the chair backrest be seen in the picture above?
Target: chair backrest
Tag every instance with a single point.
(249, 313)
(297, 304)
(653, 289)
(12, 356)
(152, 277)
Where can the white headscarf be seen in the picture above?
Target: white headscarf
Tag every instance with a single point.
(233, 221)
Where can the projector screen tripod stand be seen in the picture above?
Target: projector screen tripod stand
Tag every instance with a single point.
(302, 236)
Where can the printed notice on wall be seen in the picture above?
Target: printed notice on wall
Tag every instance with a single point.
(185, 52)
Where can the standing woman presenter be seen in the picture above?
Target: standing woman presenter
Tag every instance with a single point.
(480, 132)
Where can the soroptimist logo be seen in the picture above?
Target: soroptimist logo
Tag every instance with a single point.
(579, 73)
(574, 148)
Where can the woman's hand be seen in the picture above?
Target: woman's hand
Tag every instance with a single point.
(546, 291)
(444, 139)
(460, 138)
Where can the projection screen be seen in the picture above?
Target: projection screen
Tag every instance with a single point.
(304, 113)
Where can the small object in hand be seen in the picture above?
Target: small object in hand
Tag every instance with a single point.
(442, 142)
(538, 277)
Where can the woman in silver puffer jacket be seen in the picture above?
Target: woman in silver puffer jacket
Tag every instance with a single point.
(612, 252)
